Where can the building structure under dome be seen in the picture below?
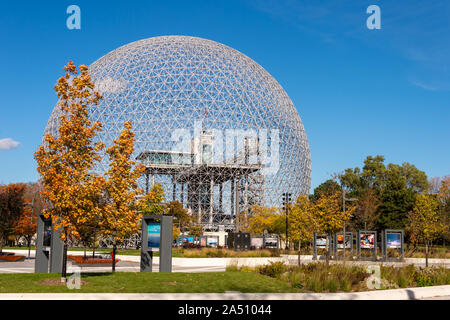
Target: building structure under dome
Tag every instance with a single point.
(212, 126)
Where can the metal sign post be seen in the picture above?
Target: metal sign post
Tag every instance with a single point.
(49, 247)
(42, 247)
(348, 235)
(321, 245)
(56, 252)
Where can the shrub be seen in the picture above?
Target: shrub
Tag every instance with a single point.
(432, 276)
(345, 284)
(273, 269)
(331, 284)
(231, 268)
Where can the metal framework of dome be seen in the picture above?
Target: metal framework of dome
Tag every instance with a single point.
(212, 126)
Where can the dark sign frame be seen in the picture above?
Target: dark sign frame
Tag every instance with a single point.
(48, 253)
(165, 243)
(385, 234)
(358, 243)
(335, 242)
(330, 244)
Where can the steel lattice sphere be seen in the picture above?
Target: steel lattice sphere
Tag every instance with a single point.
(168, 83)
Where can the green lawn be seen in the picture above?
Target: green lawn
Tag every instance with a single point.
(122, 282)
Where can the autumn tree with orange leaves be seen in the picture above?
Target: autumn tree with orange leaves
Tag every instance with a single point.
(65, 161)
(120, 217)
(27, 223)
(11, 208)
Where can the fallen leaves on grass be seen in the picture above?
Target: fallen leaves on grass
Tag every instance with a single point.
(174, 283)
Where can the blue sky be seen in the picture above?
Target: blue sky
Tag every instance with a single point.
(359, 92)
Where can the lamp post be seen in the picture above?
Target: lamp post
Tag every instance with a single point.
(286, 201)
(343, 205)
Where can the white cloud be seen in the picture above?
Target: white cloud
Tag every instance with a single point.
(8, 144)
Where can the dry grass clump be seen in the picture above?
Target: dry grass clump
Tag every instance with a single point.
(318, 277)
(410, 276)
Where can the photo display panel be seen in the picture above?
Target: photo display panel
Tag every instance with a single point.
(393, 240)
(321, 241)
(367, 240)
(212, 241)
(271, 242)
(340, 241)
(154, 234)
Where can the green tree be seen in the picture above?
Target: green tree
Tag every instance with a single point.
(153, 202)
(396, 201)
(302, 223)
(195, 230)
(180, 215)
(424, 222)
(329, 217)
(385, 193)
(443, 198)
(326, 188)
(269, 219)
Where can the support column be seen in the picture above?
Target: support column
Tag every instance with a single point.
(237, 199)
(232, 201)
(246, 193)
(211, 200)
(199, 195)
(182, 194)
(174, 188)
(221, 197)
(146, 182)
(246, 198)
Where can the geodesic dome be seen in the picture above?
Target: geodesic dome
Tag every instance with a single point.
(207, 89)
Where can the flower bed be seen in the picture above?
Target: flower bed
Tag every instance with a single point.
(81, 259)
(11, 258)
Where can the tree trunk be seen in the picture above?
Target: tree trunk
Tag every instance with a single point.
(85, 252)
(327, 255)
(64, 264)
(29, 246)
(299, 250)
(114, 258)
(426, 254)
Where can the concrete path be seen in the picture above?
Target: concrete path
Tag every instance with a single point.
(438, 292)
(27, 266)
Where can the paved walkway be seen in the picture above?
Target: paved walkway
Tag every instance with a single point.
(27, 266)
(438, 292)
